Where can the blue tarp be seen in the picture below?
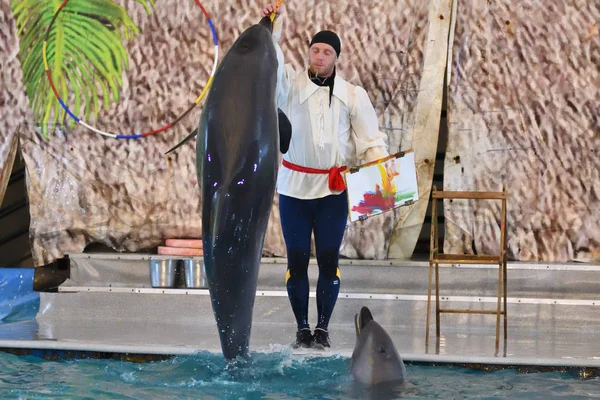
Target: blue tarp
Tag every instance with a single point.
(18, 300)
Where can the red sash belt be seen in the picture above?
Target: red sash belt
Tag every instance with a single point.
(336, 182)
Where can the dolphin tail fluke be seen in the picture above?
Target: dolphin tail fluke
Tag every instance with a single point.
(191, 135)
(285, 131)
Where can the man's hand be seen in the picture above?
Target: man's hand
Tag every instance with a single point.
(269, 8)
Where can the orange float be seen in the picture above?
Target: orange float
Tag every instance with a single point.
(179, 251)
(189, 243)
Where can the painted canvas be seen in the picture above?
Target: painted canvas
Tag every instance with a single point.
(382, 186)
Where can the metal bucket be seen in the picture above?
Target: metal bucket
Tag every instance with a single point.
(163, 273)
(195, 276)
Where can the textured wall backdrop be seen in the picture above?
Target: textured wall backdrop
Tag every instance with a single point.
(85, 188)
(524, 106)
(14, 108)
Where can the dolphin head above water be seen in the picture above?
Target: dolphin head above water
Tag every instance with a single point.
(375, 359)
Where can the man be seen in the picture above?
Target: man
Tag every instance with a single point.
(334, 126)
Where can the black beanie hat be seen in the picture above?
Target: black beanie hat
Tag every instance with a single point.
(330, 38)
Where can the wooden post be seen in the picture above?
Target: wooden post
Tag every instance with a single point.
(6, 167)
(426, 126)
(437, 272)
(432, 256)
(504, 256)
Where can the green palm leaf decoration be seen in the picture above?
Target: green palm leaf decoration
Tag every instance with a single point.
(85, 54)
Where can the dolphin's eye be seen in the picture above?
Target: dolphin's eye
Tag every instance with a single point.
(381, 350)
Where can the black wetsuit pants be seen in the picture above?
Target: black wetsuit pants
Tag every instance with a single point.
(327, 218)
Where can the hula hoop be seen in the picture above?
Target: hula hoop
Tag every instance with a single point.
(139, 135)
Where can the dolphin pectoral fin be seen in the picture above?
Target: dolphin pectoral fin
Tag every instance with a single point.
(191, 135)
(285, 131)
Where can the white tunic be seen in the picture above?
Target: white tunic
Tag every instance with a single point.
(323, 136)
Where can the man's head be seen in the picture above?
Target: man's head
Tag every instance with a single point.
(325, 48)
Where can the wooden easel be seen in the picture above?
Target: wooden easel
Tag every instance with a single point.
(435, 258)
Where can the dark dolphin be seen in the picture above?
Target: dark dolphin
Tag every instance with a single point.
(237, 152)
(375, 359)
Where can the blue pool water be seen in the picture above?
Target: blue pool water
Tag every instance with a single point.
(277, 375)
(18, 301)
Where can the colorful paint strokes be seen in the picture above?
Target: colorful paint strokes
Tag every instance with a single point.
(381, 187)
